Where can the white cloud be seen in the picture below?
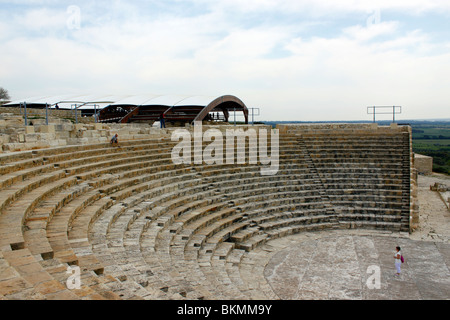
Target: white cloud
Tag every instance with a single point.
(364, 33)
(41, 20)
(326, 7)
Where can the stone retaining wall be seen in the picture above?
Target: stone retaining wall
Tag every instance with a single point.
(33, 113)
(15, 136)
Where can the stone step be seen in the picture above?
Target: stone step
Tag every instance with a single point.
(253, 242)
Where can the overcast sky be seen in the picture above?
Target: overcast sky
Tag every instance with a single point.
(303, 60)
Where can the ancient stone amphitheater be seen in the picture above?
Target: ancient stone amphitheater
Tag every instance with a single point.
(139, 226)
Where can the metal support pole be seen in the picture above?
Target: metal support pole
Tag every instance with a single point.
(76, 114)
(46, 114)
(393, 114)
(25, 113)
(235, 116)
(374, 114)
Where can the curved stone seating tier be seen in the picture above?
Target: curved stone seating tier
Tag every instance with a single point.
(187, 237)
(345, 161)
(140, 227)
(161, 224)
(23, 160)
(55, 172)
(14, 241)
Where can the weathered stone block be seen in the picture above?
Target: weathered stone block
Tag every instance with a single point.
(47, 129)
(423, 164)
(32, 137)
(78, 126)
(29, 130)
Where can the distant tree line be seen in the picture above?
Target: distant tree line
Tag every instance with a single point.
(428, 137)
(441, 158)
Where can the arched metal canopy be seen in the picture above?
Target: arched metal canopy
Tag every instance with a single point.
(225, 104)
(176, 108)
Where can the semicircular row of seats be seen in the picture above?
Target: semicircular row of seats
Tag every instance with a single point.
(137, 226)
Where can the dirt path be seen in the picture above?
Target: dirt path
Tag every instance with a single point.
(434, 217)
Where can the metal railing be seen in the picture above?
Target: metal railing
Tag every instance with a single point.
(393, 110)
(252, 112)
